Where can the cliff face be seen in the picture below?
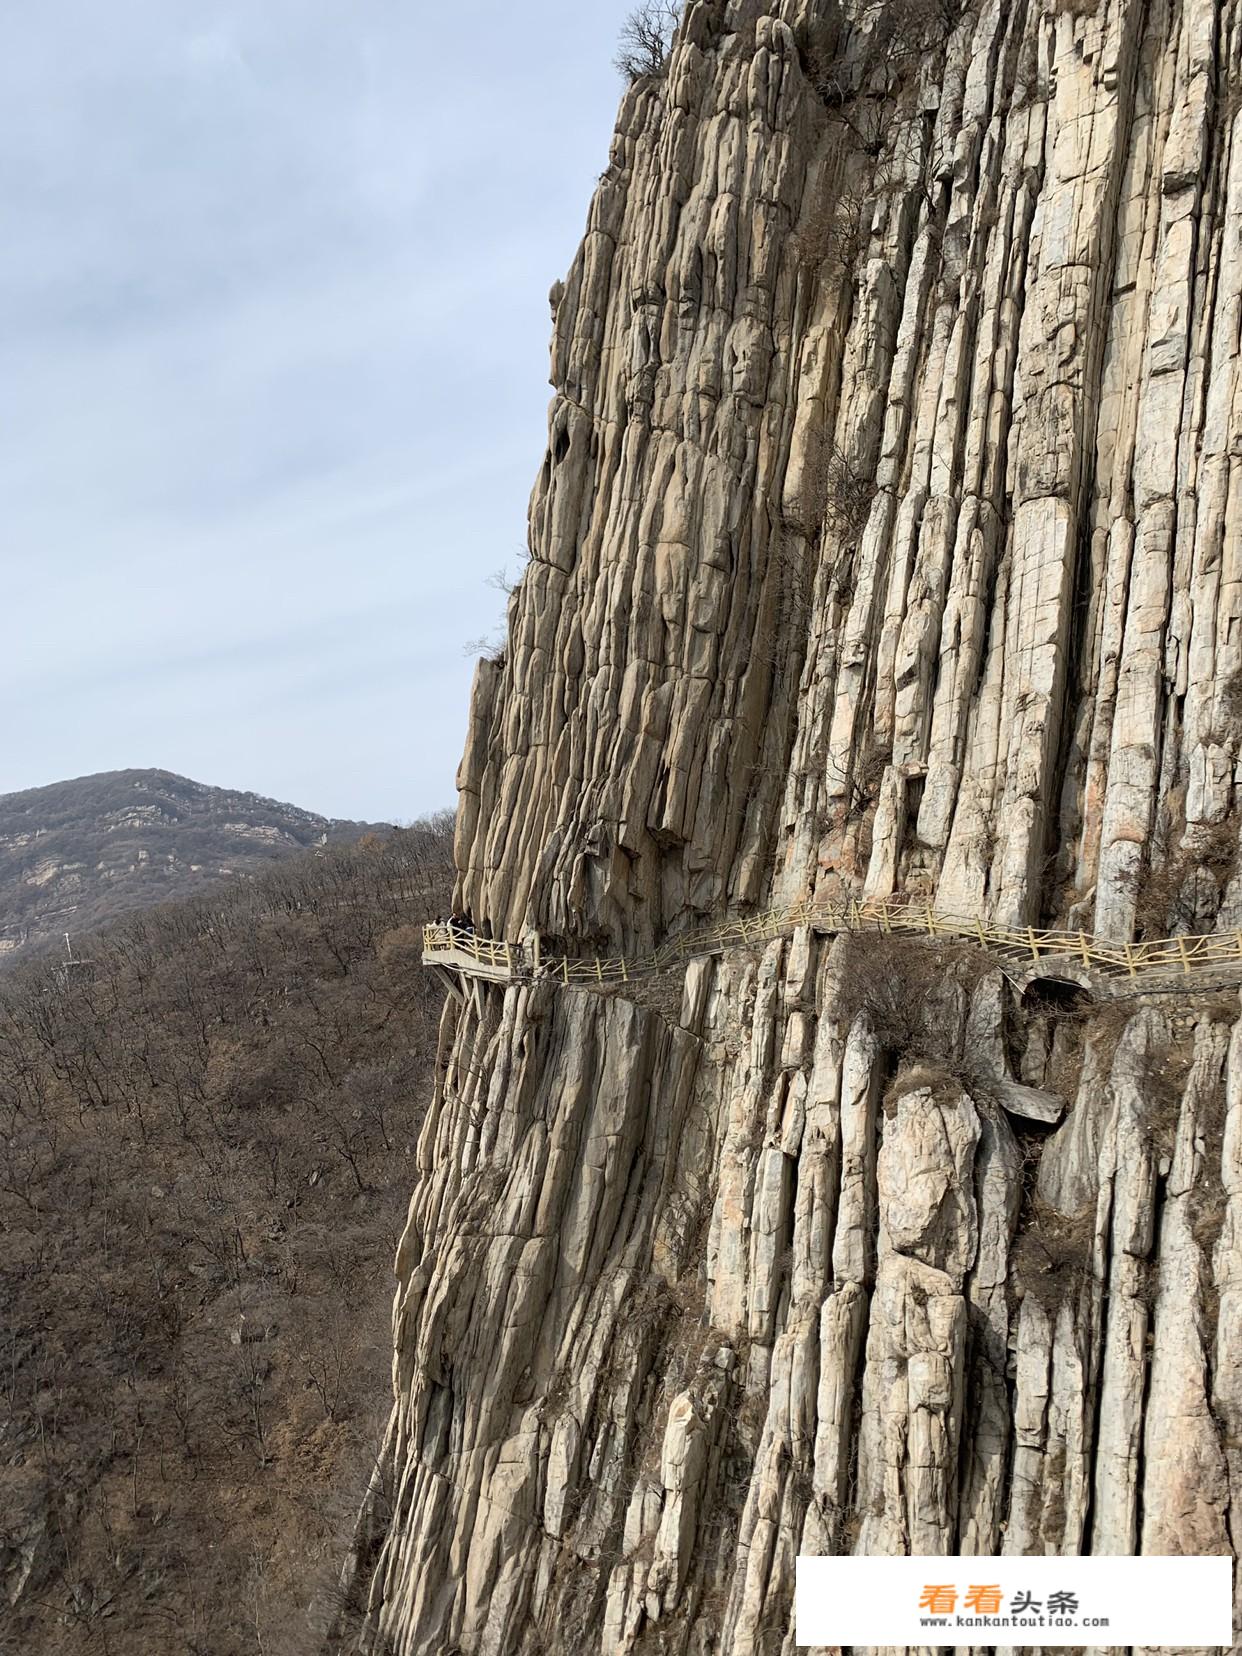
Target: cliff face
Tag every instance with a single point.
(888, 541)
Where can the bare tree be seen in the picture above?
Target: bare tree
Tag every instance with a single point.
(646, 38)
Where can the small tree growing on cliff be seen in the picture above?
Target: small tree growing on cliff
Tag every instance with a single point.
(646, 38)
(892, 40)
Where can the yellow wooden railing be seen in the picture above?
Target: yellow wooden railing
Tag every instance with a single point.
(466, 950)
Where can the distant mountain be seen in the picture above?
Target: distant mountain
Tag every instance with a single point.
(75, 854)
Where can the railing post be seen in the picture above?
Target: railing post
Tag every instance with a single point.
(1085, 947)
(509, 958)
(931, 920)
(1130, 959)
(1181, 949)
(534, 955)
(1032, 944)
(599, 970)
(565, 970)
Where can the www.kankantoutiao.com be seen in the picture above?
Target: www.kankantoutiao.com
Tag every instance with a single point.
(1031, 1622)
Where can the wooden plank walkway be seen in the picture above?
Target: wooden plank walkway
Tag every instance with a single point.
(1162, 962)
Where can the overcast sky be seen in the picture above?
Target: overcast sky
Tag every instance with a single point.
(274, 329)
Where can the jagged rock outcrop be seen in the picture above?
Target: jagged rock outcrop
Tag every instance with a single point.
(886, 541)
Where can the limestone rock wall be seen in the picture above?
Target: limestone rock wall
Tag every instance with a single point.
(887, 541)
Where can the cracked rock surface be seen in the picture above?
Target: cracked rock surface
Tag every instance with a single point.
(888, 540)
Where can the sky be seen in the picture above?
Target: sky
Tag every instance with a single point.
(273, 375)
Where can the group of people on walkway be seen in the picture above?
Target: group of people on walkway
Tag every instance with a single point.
(462, 929)
(522, 958)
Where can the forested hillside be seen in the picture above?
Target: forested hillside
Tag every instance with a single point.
(205, 1157)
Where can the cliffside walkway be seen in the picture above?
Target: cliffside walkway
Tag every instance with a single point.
(1155, 963)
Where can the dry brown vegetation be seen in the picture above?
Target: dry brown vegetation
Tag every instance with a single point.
(901, 982)
(1180, 889)
(1052, 1253)
(206, 1160)
(662, 992)
(646, 37)
(889, 44)
(841, 493)
(830, 234)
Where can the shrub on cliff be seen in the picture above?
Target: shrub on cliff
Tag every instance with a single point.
(902, 983)
(889, 45)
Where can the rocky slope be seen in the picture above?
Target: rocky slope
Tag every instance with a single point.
(888, 540)
(78, 853)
